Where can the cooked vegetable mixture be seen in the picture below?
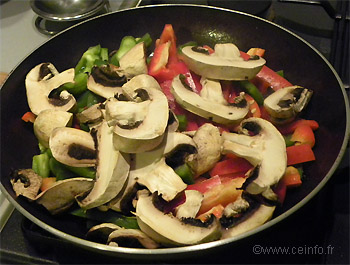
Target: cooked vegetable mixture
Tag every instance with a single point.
(178, 146)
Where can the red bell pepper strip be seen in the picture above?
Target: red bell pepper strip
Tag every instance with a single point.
(165, 64)
(29, 117)
(297, 154)
(290, 128)
(230, 165)
(290, 179)
(269, 76)
(254, 109)
(205, 185)
(303, 134)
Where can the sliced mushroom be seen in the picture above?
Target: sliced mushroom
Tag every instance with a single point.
(169, 230)
(211, 90)
(26, 182)
(208, 141)
(133, 62)
(100, 233)
(265, 150)
(61, 195)
(73, 147)
(112, 169)
(106, 80)
(144, 163)
(249, 221)
(224, 64)
(91, 115)
(191, 206)
(286, 103)
(135, 136)
(131, 238)
(47, 121)
(43, 79)
(163, 180)
(138, 82)
(223, 112)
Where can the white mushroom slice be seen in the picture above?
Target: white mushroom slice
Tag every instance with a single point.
(238, 206)
(163, 180)
(99, 233)
(208, 141)
(62, 194)
(133, 63)
(125, 112)
(73, 147)
(26, 182)
(139, 81)
(169, 230)
(40, 81)
(106, 80)
(191, 206)
(287, 102)
(47, 121)
(229, 113)
(266, 151)
(121, 237)
(112, 169)
(143, 163)
(147, 133)
(91, 115)
(260, 216)
(211, 90)
(223, 64)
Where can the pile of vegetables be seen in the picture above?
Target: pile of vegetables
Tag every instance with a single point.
(176, 146)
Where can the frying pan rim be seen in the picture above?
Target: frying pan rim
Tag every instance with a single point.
(159, 253)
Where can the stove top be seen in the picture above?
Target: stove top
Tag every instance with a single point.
(317, 233)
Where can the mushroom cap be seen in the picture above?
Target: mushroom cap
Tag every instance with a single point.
(62, 194)
(223, 64)
(47, 121)
(40, 81)
(221, 113)
(112, 169)
(73, 147)
(266, 150)
(26, 182)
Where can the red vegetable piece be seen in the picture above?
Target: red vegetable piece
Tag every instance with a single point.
(303, 134)
(229, 166)
(274, 80)
(205, 185)
(292, 177)
(290, 128)
(29, 117)
(254, 109)
(47, 183)
(297, 154)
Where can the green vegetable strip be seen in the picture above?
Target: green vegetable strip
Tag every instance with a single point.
(59, 171)
(288, 141)
(185, 173)
(253, 91)
(40, 164)
(107, 217)
(146, 39)
(86, 172)
(125, 45)
(87, 99)
(182, 122)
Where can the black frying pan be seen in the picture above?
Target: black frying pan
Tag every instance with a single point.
(302, 64)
